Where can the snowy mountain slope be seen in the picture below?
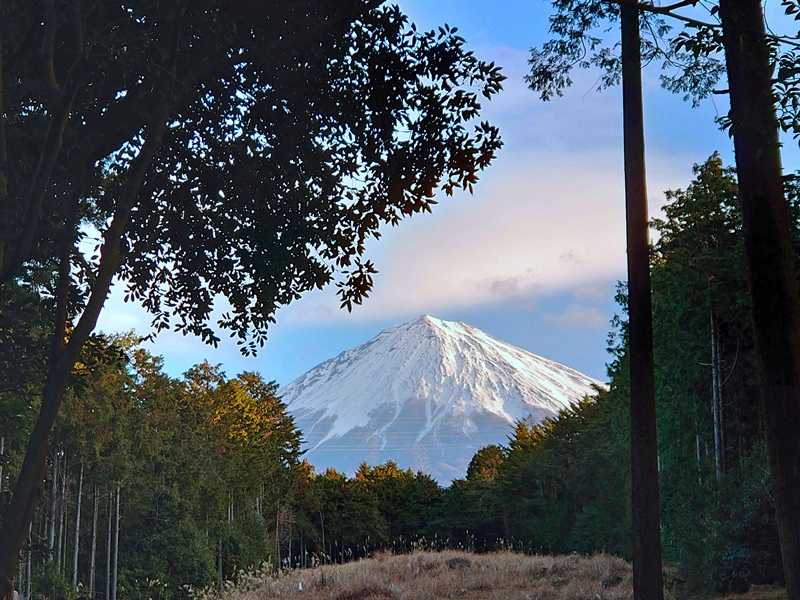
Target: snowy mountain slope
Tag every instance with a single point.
(427, 394)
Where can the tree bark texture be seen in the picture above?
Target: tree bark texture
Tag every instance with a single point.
(77, 547)
(647, 576)
(770, 263)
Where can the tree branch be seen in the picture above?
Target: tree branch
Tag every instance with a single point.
(49, 44)
(667, 11)
(61, 298)
(50, 151)
(678, 5)
(111, 256)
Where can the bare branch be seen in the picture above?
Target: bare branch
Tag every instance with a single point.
(678, 5)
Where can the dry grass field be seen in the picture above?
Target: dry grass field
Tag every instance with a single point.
(451, 574)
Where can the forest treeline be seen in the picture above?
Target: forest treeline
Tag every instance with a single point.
(154, 483)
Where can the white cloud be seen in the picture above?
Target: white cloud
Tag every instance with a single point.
(579, 317)
(537, 226)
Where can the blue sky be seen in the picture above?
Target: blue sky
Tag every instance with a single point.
(533, 256)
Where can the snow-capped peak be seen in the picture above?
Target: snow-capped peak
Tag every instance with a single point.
(425, 385)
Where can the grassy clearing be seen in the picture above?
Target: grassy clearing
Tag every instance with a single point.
(463, 575)
(452, 574)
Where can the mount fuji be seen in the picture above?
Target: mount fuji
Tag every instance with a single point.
(427, 394)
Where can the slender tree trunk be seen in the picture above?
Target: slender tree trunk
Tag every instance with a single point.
(115, 569)
(220, 581)
(647, 577)
(62, 513)
(322, 524)
(3, 157)
(770, 263)
(2, 439)
(77, 547)
(716, 398)
(108, 547)
(63, 535)
(28, 565)
(278, 537)
(20, 576)
(93, 550)
(51, 524)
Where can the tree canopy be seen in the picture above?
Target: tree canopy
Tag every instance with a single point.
(215, 150)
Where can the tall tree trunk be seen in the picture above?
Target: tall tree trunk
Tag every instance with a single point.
(108, 546)
(278, 537)
(93, 550)
(51, 523)
(647, 577)
(3, 144)
(20, 575)
(770, 263)
(716, 398)
(28, 560)
(220, 579)
(62, 513)
(2, 439)
(77, 546)
(115, 569)
(322, 526)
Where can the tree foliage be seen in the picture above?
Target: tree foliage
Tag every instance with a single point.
(285, 138)
(213, 152)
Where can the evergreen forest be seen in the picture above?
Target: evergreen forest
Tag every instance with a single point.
(155, 484)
